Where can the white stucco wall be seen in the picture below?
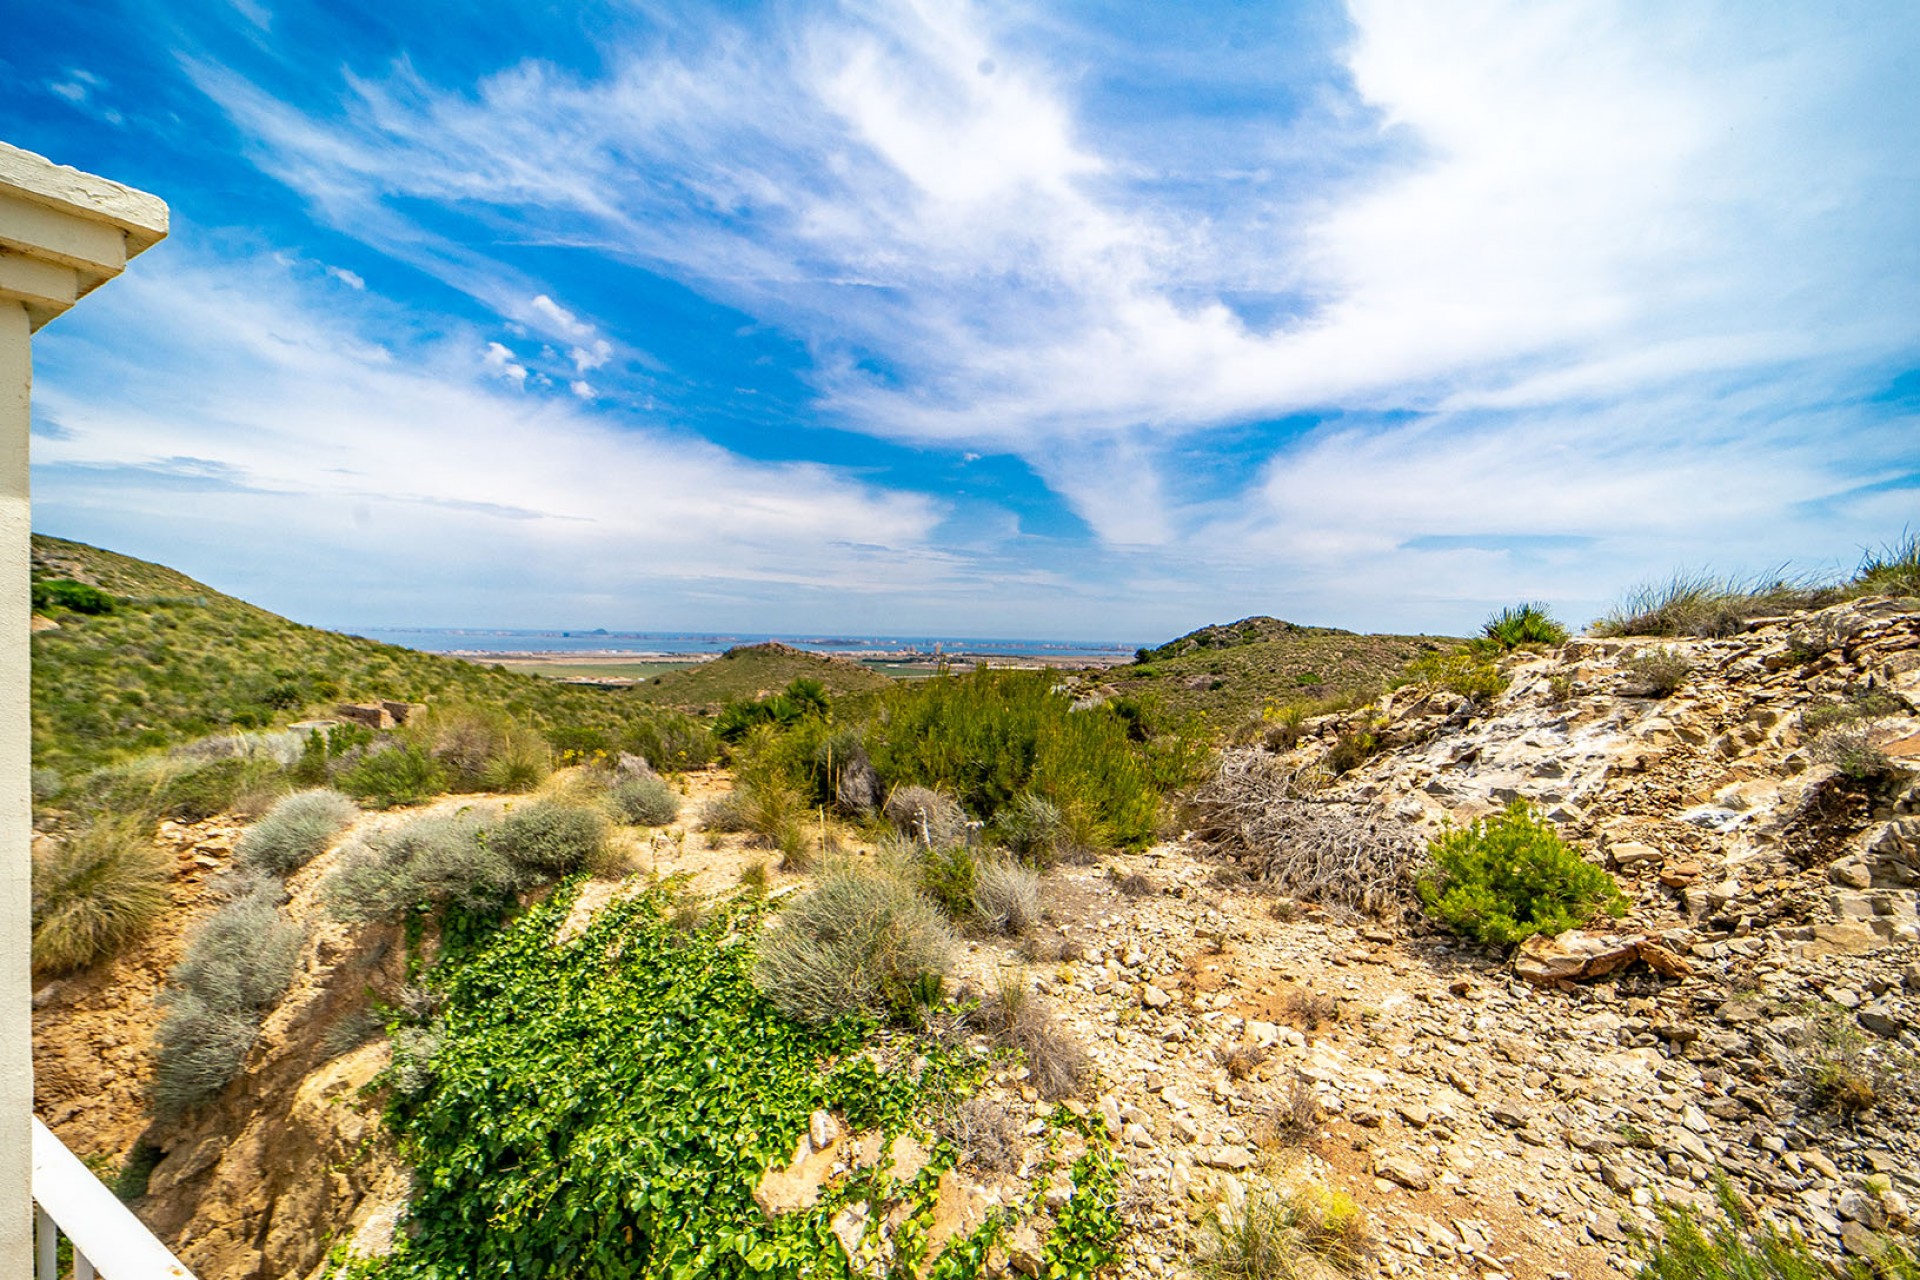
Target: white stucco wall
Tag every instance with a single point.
(16, 814)
(63, 233)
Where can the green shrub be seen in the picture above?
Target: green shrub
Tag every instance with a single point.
(1510, 876)
(295, 831)
(805, 698)
(430, 860)
(1864, 705)
(482, 748)
(238, 965)
(1655, 675)
(96, 892)
(1738, 1247)
(1893, 570)
(1351, 750)
(77, 597)
(46, 784)
(948, 875)
(237, 784)
(1295, 1235)
(1006, 896)
(1465, 671)
(1032, 827)
(644, 802)
(551, 838)
(672, 742)
(859, 943)
(399, 774)
(987, 737)
(1524, 624)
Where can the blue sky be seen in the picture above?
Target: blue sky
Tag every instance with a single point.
(1100, 321)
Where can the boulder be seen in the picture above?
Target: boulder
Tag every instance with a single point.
(1577, 955)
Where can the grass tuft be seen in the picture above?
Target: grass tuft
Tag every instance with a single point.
(1304, 1234)
(94, 893)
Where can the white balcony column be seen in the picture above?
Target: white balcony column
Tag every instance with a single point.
(63, 233)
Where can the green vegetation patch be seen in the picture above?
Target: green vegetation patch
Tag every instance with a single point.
(751, 672)
(605, 1106)
(1229, 685)
(171, 660)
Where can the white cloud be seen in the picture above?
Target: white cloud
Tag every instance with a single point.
(396, 464)
(581, 388)
(501, 362)
(352, 279)
(1676, 239)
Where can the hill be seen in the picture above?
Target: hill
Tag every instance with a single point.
(754, 671)
(1227, 672)
(1234, 635)
(169, 659)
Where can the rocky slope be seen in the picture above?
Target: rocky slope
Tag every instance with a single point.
(1486, 1124)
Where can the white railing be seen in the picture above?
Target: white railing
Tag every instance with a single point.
(109, 1243)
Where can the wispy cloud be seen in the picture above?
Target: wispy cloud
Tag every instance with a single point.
(1465, 303)
(406, 453)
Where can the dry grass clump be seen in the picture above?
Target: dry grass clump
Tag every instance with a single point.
(1696, 604)
(1006, 896)
(95, 892)
(1843, 1069)
(1333, 853)
(1304, 1234)
(1655, 675)
(723, 813)
(985, 1134)
(1015, 1018)
(1135, 885)
(860, 941)
(237, 966)
(1893, 570)
(925, 815)
(295, 831)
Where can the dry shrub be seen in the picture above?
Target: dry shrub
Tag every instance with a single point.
(860, 942)
(925, 815)
(551, 838)
(984, 1133)
(1014, 1018)
(1849, 749)
(1006, 896)
(645, 801)
(295, 831)
(96, 892)
(431, 859)
(723, 813)
(1331, 852)
(1135, 885)
(237, 967)
(1313, 1009)
(1241, 1059)
(1290, 1119)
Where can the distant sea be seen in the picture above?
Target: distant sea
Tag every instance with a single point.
(468, 640)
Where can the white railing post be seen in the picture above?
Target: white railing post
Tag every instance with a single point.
(107, 1239)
